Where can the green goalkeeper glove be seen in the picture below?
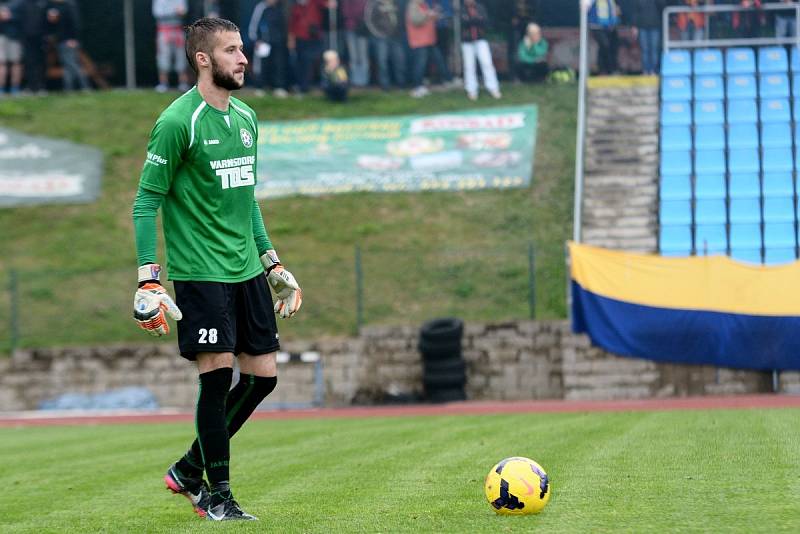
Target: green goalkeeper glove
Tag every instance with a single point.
(283, 284)
(151, 301)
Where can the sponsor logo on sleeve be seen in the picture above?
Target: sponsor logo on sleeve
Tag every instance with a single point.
(155, 159)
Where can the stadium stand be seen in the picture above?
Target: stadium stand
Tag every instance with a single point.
(728, 144)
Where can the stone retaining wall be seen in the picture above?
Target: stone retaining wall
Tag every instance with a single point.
(505, 361)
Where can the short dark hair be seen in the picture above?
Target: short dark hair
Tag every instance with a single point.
(200, 36)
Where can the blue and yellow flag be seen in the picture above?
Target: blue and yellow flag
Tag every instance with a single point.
(703, 310)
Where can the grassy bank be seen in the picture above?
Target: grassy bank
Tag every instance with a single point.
(424, 254)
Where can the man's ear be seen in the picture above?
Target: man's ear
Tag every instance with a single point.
(202, 59)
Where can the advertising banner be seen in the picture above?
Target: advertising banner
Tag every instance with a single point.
(38, 170)
(456, 151)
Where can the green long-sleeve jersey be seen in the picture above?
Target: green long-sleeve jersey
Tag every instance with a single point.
(203, 161)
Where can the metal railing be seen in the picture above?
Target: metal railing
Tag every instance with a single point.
(709, 41)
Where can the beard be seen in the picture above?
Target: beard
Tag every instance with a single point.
(222, 79)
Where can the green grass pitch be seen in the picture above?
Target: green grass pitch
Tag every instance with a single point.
(689, 471)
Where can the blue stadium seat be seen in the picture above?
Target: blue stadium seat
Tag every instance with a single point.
(675, 187)
(709, 137)
(742, 110)
(710, 211)
(676, 63)
(745, 211)
(709, 112)
(676, 114)
(676, 162)
(710, 186)
(709, 88)
(746, 236)
(676, 88)
(742, 136)
(710, 239)
(775, 110)
(795, 60)
(740, 60)
(747, 255)
(741, 86)
(778, 184)
(772, 59)
(776, 135)
(779, 235)
(678, 138)
(776, 256)
(675, 212)
(773, 86)
(708, 61)
(708, 162)
(743, 160)
(777, 160)
(779, 209)
(744, 185)
(796, 84)
(675, 240)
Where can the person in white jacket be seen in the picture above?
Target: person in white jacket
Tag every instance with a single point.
(170, 41)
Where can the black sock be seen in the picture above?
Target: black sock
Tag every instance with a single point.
(242, 400)
(212, 431)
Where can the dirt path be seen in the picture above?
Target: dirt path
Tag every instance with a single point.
(456, 408)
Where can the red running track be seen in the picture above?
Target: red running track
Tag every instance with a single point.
(456, 408)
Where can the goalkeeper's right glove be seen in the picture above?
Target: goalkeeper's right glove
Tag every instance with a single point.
(151, 301)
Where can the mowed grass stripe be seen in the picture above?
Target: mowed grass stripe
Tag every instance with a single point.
(716, 471)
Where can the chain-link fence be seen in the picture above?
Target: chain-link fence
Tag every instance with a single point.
(362, 286)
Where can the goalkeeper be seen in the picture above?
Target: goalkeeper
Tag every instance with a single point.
(201, 172)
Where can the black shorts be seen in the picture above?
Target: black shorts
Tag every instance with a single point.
(226, 317)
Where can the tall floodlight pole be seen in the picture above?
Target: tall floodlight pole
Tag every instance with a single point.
(130, 46)
(583, 67)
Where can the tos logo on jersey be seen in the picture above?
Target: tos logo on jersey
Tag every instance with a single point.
(247, 139)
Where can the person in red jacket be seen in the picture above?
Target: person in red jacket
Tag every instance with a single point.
(305, 36)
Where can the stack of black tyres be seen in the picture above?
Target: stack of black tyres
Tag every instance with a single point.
(444, 374)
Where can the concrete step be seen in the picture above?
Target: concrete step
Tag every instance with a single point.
(631, 109)
(616, 92)
(622, 170)
(640, 140)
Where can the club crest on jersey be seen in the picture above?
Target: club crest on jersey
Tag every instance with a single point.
(247, 138)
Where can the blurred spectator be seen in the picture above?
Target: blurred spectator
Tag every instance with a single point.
(305, 37)
(170, 42)
(692, 26)
(33, 44)
(785, 20)
(523, 12)
(267, 30)
(385, 21)
(474, 45)
(62, 27)
(645, 18)
(748, 23)
(421, 32)
(334, 77)
(444, 38)
(11, 33)
(532, 55)
(603, 19)
(356, 36)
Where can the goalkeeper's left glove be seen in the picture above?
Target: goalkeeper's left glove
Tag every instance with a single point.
(151, 301)
(283, 284)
